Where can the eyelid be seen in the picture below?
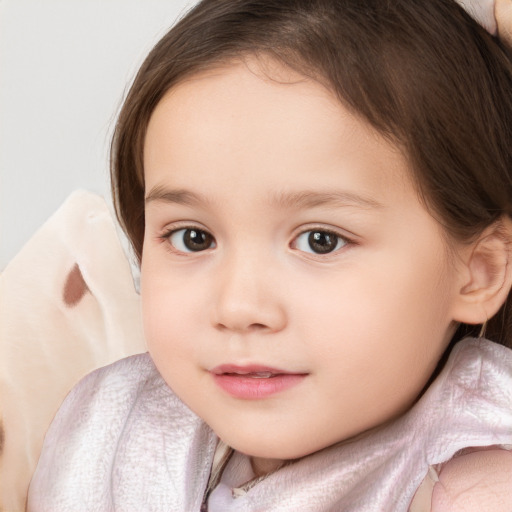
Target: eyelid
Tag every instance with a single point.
(342, 233)
(182, 224)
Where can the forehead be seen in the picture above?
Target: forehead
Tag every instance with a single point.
(267, 123)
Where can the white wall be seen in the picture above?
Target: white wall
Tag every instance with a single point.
(64, 67)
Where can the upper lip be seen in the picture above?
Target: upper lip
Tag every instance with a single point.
(250, 369)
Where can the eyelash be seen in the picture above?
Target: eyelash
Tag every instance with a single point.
(342, 241)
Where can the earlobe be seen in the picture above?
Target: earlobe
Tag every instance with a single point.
(487, 275)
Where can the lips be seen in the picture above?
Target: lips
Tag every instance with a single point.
(254, 381)
(252, 370)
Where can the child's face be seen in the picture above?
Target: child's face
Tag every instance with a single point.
(284, 240)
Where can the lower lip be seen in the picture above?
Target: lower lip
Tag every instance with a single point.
(251, 388)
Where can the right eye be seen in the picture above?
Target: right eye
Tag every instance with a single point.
(191, 240)
(320, 241)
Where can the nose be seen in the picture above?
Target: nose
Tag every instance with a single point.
(249, 297)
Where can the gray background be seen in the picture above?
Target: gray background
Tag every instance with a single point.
(64, 68)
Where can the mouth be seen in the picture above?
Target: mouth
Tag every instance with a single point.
(254, 382)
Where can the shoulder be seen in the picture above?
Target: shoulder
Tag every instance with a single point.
(107, 393)
(108, 390)
(118, 379)
(83, 442)
(100, 403)
(131, 371)
(481, 480)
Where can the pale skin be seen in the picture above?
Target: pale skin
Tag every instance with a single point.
(503, 13)
(255, 164)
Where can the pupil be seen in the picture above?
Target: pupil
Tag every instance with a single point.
(322, 242)
(196, 240)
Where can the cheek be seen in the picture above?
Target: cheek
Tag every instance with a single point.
(172, 337)
(170, 311)
(392, 306)
(366, 301)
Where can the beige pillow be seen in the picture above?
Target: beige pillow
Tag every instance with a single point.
(68, 305)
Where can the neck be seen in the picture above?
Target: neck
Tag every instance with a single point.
(262, 467)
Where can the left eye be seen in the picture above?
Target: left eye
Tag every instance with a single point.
(319, 241)
(191, 240)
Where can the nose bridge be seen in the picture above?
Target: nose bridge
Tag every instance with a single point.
(247, 296)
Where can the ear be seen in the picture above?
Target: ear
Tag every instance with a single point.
(486, 274)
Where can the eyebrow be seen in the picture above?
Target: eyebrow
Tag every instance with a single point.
(285, 200)
(179, 196)
(311, 199)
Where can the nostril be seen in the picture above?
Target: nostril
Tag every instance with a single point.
(242, 328)
(257, 327)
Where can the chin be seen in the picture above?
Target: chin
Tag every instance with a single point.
(284, 447)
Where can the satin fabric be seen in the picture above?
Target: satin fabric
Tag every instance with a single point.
(122, 441)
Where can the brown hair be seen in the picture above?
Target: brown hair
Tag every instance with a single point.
(423, 73)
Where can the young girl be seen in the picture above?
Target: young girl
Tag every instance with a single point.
(319, 195)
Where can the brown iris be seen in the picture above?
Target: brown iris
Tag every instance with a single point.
(196, 240)
(322, 242)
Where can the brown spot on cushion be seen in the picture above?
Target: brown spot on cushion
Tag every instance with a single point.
(75, 287)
